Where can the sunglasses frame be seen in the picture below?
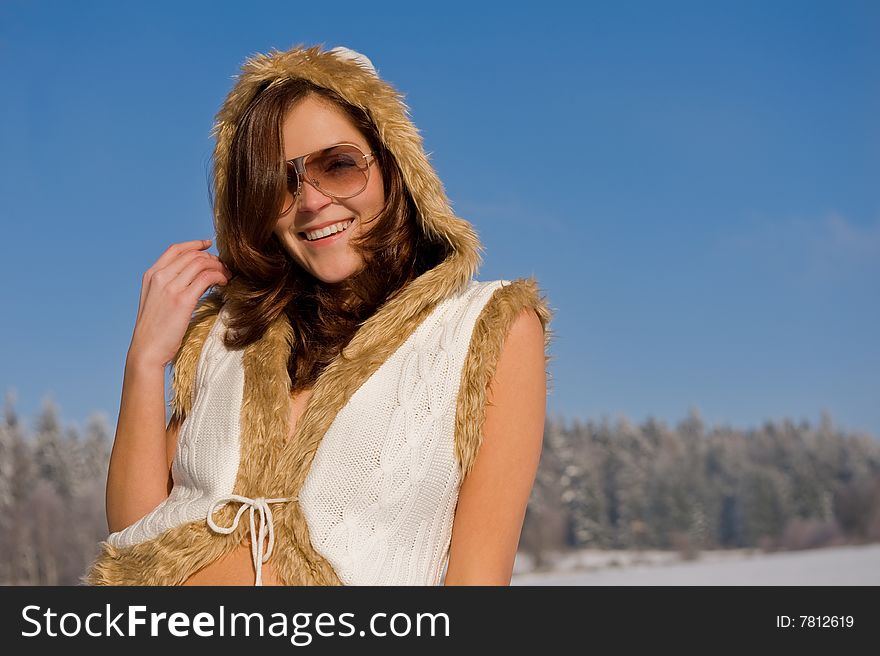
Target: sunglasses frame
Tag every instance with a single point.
(299, 166)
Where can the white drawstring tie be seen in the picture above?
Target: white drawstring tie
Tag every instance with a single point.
(262, 506)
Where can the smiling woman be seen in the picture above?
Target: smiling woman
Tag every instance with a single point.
(336, 208)
(374, 410)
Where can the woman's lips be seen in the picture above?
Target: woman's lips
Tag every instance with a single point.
(326, 241)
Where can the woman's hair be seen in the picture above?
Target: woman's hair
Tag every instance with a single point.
(266, 280)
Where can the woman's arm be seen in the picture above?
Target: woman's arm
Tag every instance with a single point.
(138, 475)
(138, 479)
(493, 497)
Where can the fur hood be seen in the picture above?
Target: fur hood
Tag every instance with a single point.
(273, 466)
(353, 77)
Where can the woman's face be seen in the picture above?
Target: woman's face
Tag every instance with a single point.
(311, 125)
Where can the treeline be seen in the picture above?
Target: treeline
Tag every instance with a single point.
(623, 486)
(689, 488)
(52, 486)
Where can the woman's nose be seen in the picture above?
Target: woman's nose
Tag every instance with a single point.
(312, 199)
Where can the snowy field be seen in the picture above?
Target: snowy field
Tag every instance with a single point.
(851, 565)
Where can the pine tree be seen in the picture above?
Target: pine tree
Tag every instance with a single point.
(52, 460)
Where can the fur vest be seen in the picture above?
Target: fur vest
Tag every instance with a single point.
(271, 468)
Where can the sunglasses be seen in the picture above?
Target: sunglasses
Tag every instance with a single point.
(340, 171)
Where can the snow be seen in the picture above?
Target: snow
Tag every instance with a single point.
(848, 565)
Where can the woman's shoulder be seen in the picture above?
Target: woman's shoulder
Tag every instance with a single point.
(505, 300)
(513, 327)
(516, 314)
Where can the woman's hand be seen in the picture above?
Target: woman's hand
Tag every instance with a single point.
(169, 293)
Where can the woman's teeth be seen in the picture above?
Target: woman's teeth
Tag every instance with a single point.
(329, 230)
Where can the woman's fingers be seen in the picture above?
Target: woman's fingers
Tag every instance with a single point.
(177, 256)
(203, 281)
(184, 260)
(174, 260)
(190, 271)
(174, 250)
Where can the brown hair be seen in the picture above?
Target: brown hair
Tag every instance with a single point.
(266, 280)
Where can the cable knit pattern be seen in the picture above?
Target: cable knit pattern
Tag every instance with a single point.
(208, 444)
(381, 493)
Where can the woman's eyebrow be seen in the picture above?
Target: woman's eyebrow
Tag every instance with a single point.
(327, 147)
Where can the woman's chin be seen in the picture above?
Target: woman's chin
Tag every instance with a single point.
(333, 275)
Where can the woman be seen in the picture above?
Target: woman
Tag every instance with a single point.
(339, 382)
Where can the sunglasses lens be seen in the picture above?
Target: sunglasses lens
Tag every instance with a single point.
(338, 171)
(341, 170)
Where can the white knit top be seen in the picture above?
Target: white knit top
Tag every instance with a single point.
(380, 496)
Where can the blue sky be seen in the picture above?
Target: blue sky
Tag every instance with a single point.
(694, 184)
